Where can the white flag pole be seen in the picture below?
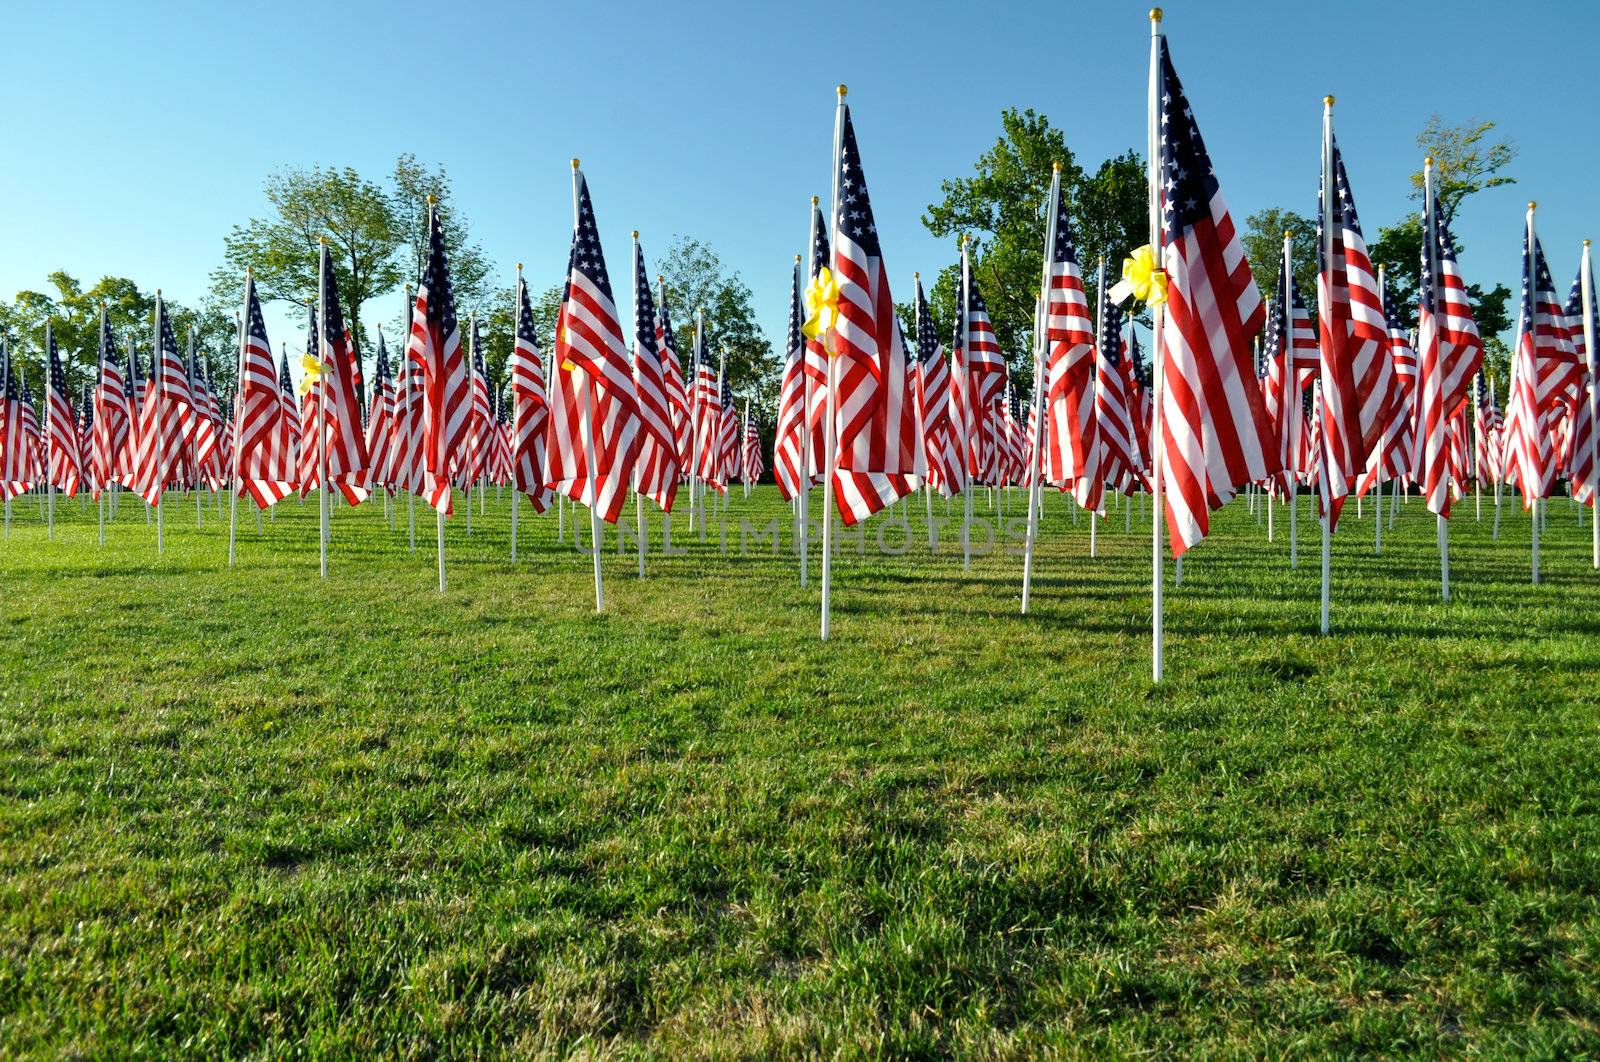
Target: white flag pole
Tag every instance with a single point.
(1377, 478)
(829, 429)
(967, 416)
(1591, 357)
(322, 396)
(1477, 447)
(588, 439)
(1326, 291)
(1040, 327)
(696, 503)
(151, 388)
(49, 385)
(638, 499)
(238, 380)
(1157, 357)
(516, 311)
(1531, 281)
(805, 413)
(1430, 247)
(438, 514)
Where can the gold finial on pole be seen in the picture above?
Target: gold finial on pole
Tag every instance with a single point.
(574, 163)
(1533, 205)
(843, 91)
(1327, 101)
(636, 234)
(432, 199)
(1155, 14)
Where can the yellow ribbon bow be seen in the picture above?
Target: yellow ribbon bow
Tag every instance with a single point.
(312, 370)
(1141, 278)
(822, 304)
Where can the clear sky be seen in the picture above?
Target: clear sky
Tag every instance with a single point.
(137, 134)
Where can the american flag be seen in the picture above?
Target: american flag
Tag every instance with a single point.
(1012, 462)
(729, 440)
(499, 470)
(981, 372)
(594, 415)
(405, 471)
(1138, 406)
(110, 451)
(789, 459)
(655, 470)
(381, 420)
(530, 409)
(472, 461)
(1215, 432)
(1448, 356)
(1394, 454)
(816, 354)
(1579, 458)
(162, 412)
(878, 450)
(1538, 372)
(288, 422)
(1356, 372)
(946, 472)
(707, 404)
(91, 475)
(445, 383)
(677, 392)
(308, 473)
(750, 461)
(262, 466)
(65, 465)
(18, 447)
(207, 430)
(1070, 439)
(348, 467)
(1113, 415)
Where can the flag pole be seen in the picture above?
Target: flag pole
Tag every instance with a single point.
(805, 409)
(1377, 477)
(666, 516)
(1328, 192)
(238, 379)
(830, 429)
(638, 499)
(1430, 247)
(1594, 407)
(1157, 357)
(194, 450)
(516, 310)
(1291, 388)
(322, 398)
(1040, 344)
(49, 387)
(1477, 446)
(963, 298)
(150, 395)
(1530, 281)
(588, 443)
(694, 421)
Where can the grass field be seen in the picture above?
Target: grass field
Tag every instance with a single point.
(252, 812)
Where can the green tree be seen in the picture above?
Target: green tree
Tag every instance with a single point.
(697, 278)
(1001, 208)
(1465, 161)
(1263, 246)
(413, 182)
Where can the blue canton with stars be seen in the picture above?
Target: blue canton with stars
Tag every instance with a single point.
(927, 339)
(1188, 183)
(854, 208)
(436, 279)
(525, 331)
(586, 256)
(644, 311)
(58, 379)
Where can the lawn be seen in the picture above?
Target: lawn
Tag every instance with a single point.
(253, 812)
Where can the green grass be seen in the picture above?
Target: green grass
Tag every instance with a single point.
(253, 813)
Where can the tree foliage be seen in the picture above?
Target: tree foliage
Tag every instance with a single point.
(74, 315)
(1001, 207)
(1465, 161)
(697, 278)
(1263, 246)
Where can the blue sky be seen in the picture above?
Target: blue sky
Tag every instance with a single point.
(138, 134)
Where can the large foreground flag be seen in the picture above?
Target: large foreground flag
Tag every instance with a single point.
(65, 464)
(530, 409)
(261, 457)
(1215, 435)
(1538, 371)
(442, 377)
(1070, 444)
(878, 451)
(348, 467)
(655, 470)
(594, 417)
